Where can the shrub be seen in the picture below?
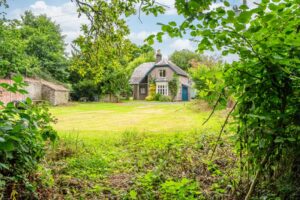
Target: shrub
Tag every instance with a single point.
(149, 98)
(164, 98)
(152, 89)
(157, 97)
(23, 129)
(85, 89)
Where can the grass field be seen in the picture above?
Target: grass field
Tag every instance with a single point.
(138, 150)
(135, 116)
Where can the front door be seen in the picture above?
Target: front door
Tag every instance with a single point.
(185, 96)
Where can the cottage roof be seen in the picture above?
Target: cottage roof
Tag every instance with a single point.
(140, 72)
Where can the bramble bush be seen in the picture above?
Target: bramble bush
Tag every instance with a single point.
(24, 129)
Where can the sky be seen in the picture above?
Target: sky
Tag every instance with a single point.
(63, 12)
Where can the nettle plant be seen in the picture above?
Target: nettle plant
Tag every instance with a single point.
(24, 128)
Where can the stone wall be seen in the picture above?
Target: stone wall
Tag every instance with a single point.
(155, 73)
(34, 89)
(48, 94)
(61, 97)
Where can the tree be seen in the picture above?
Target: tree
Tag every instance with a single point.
(143, 58)
(33, 46)
(45, 43)
(13, 58)
(185, 58)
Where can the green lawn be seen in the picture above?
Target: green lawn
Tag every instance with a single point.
(100, 118)
(138, 150)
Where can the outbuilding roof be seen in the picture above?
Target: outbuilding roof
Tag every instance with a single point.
(142, 70)
(55, 86)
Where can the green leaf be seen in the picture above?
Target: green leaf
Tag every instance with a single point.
(172, 23)
(133, 194)
(272, 7)
(226, 3)
(238, 26)
(291, 139)
(244, 17)
(7, 146)
(279, 140)
(18, 79)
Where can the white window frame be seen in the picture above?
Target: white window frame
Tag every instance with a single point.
(162, 88)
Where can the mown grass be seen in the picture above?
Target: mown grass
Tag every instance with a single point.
(139, 150)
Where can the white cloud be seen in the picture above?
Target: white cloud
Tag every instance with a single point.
(139, 37)
(65, 15)
(180, 44)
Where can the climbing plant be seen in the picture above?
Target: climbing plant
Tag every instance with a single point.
(174, 86)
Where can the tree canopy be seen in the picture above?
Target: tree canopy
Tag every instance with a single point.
(185, 58)
(32, 46)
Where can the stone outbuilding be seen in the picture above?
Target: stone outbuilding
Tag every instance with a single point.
(38, 90)
(55, 94)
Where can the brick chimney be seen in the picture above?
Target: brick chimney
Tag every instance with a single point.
(158, 56)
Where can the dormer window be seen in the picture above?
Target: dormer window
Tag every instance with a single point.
(162, 73)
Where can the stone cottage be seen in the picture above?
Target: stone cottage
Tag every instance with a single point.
(38, 90)
(162, 71)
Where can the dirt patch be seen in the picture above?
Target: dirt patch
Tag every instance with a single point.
(120, 181)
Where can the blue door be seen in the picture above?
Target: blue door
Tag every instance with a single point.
(185, 96)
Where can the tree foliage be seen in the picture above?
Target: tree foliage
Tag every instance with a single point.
(185, 58)
(32, 46)
(209, 83)
(103, 54)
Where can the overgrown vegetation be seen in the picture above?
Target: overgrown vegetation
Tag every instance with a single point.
(161, 159)
(24, 128)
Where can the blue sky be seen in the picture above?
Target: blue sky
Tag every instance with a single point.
(63, 12)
